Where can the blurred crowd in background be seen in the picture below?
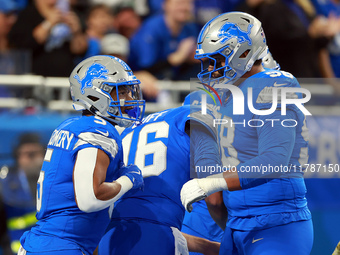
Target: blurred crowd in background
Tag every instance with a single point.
(157, 37)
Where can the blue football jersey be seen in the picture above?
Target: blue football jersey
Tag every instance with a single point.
(160, 147)
(62, 225)
(277, 200)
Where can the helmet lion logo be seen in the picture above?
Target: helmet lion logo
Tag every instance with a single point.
(231, 30)
(95, 71)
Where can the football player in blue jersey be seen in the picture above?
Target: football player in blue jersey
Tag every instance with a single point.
(199, 222)
(83, 172)
(148, 221)
(267, 209)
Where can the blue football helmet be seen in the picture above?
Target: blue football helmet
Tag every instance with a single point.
(106, 86)
(229, 36)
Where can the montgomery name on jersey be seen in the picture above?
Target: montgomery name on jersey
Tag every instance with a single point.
(61, 222)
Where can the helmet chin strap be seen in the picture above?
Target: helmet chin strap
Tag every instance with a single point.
(120, 121)
(123, 122)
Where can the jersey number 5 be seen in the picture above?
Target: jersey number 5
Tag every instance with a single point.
(40, 189)
(157, 149)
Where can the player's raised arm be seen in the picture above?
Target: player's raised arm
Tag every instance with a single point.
(91, 190)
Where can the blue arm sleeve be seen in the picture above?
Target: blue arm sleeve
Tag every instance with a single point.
(204, 150)
(275, 146)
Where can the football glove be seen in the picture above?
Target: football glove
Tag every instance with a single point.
(198, 189)
(191, 192)
(134, 174)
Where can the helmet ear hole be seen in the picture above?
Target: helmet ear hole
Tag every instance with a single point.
(93, 98)
(245, 54)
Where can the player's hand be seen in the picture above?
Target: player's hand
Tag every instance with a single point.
(134, 174)
(191, 192)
